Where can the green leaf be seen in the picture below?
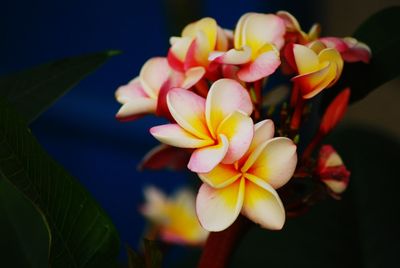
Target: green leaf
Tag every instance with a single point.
(83, 235)
(33, 91)
(25, 235)
(380, 32)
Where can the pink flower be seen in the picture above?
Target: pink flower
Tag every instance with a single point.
(318, 67)
(257, 40)
(331, 170)
(248, 185)
(219, 128)
(197, 41)
(141, 96)
(350, 48)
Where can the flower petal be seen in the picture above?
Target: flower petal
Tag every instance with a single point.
(357, 51)
(350, 48)
(203, 160)
(153, 75)
(174, 135)
(187, 109)
(261, 29)
(238, 36)
(198, 52)
(177, 52)
(206, 25)
(130, 91)
(334, 42)
(239, 129)
(263, 131)
(192, 76)
(312, 83)
(274, 162)
(333, 56)
(155, 204)
(222, 40)
(263, 205)
(233, 56)
(264, 65)
(217, 106)
(136, 108)
(291, 23)
(306, 59)
(217, 209)
(221, 176)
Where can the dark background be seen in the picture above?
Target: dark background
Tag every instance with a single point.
(80, 130)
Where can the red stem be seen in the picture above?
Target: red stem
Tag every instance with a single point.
(220, 245)
(298, 113)
(311, 146)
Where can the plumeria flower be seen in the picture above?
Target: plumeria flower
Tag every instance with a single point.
(174, 216)
(294, 33)
(219, 128)
(248, 185)
(197, 41)
(141, 96)
(257, 41)
(350, 48)
(318, 67)
(331, 170)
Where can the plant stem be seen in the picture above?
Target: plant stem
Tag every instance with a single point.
(311, 146)
(221, 245)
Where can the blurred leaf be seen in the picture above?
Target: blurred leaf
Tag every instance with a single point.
(25, 235)
(83, 235)
(380, 32)
(362, 230)
(33, 91)
(152, 257)
(152, 254)
(134, 259)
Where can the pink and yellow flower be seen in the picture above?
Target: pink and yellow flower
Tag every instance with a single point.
(331, 170)
(318, 67)
(350, 48)
(294, 33)
(248, 185)
(219, 128)
(174, 217)
(257, 41)
(197, 41)
(141, 96)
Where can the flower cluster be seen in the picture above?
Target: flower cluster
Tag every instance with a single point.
(212, 87)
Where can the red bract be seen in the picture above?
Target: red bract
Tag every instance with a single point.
(165, 157)
(335, 112)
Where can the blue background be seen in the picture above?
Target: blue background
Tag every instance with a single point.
(80, 130)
